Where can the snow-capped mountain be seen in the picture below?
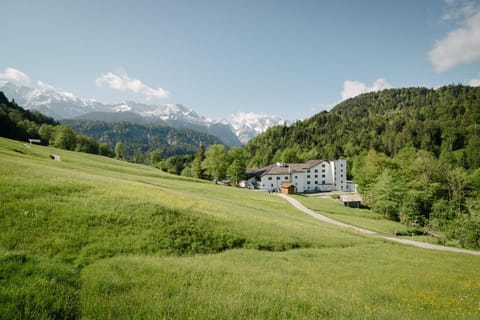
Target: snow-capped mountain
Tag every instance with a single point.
(248, 125)
(60, 105)
(50, 101)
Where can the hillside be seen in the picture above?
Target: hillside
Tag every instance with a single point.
(65, 105)
(18, 123)
(140, 139)
(98, 238)
(441, 121)
(413, 152)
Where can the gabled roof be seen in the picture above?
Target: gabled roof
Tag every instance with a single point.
(350, 198)
(287, 168)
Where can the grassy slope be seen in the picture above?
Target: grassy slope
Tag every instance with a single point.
(367, 219)
(145, 244)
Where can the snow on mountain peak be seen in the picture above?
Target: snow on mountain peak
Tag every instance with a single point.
(248, 125)
(122, 108)
(61, 104)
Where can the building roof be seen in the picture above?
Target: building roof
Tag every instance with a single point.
(283, 168)
(350, 198)
(287, 168)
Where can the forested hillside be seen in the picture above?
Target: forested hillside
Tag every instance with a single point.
(414, 153)
(441, 121)
(20, 124)
(139, 140)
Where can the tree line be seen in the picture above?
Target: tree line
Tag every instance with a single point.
(216, 162)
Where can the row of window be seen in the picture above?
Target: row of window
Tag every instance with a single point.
(296, 177)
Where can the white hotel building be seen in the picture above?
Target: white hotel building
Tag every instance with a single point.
(312, 176)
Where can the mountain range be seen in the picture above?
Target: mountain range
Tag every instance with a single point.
(61, 105)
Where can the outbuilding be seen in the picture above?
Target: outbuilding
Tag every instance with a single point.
(351, 200)
(288, 188)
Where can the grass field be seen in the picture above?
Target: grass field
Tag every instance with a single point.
(96, 238)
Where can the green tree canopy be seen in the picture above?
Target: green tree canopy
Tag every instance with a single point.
(216, 161)
(119, 150)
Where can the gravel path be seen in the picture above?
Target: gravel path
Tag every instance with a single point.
(419, 244)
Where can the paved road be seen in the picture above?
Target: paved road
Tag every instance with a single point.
(419, 244)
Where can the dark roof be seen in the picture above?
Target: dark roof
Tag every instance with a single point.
(288, 168)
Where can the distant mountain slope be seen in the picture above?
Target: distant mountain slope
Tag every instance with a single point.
(126, 116)
(443, 120)
(60, 105)
(140, 139)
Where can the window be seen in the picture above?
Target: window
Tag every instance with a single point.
(286, 178)
(296, 177)
(316, 182)
(316, 170)
(269, 178)
(316, 176)
(341, 176)
(308, 182)
(272, 185)
(278, 178)
(323, 182)
(308, 171)
(308, 176)
(323, 170)
(323, 176)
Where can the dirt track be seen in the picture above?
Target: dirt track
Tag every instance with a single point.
(419, 244)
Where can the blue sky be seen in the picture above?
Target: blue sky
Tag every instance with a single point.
(288, 58)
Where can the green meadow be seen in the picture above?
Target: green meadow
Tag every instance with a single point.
(90, 237)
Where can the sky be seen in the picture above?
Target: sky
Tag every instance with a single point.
(291, 58)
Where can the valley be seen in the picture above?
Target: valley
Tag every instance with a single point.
(110, 239)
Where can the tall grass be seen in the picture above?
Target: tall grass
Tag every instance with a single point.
(372, 281)
(97, 238)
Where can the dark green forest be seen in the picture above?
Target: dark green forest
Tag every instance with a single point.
(442, 121)
(20, 124)
(413, 152)
(140, 140)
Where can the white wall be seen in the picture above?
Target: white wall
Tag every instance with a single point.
(326, 176)
(274, 181)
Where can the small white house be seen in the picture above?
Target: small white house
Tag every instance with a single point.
(311, 176)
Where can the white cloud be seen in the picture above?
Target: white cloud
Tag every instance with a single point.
(474, 83)
(14, 75)
(461, 45)
(354, 88)
(124, 83)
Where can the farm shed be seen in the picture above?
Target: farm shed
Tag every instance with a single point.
(351, 200)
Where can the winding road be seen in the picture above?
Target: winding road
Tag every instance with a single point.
(419, 244)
